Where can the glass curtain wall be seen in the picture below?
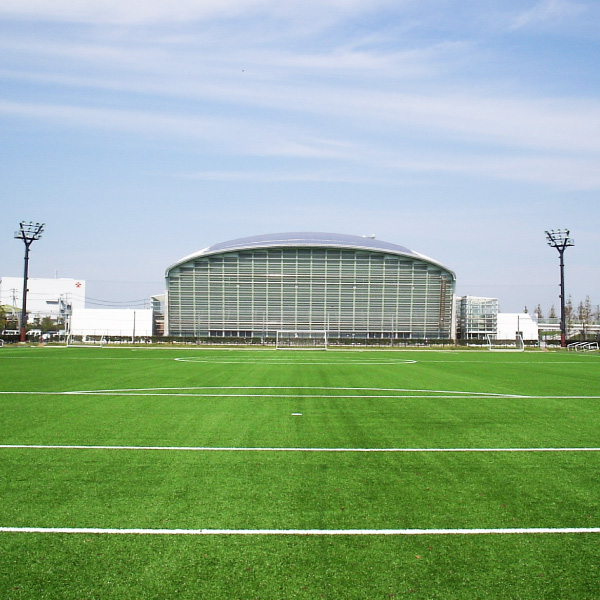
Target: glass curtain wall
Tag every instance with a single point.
(349, 293)
(477, 317)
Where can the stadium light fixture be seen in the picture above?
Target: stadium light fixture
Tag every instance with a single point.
(559, 239)
(29, 233)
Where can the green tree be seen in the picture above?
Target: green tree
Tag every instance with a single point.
(552, 313)
(8, 320)
(538, 310)
(569, 310)
(47, 324)
(584, 314)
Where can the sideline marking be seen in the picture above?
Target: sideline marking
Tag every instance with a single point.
(283, 449)
(92, 530)
(417, 393)
(252, 357)
(165, 391)
(287, 361)
(160, 391)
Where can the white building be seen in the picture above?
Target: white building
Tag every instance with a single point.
(111, 322)
(509, 324)
(53, 298)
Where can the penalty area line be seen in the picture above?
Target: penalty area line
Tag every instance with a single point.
(305, 532)
(282, 449)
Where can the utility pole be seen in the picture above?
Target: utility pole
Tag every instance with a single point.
(14, 305)
(559, 239)
(28, 232)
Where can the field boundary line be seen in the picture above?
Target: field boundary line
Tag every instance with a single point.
(305, 532)
(423, 395)
(281, 449)
(321, 392)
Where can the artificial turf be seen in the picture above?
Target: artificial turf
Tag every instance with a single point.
(249, 399)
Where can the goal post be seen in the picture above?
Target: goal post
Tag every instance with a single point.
(299, 339)
(83, 340)
(497, 345)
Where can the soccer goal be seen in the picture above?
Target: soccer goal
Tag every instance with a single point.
(496, 345)
(82, 340)
(296, 339)
(583, 346)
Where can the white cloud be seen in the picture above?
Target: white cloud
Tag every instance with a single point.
(548, 11)
(360, 99)
(375, 167)
(228, 135)
(274, 89)
(179, 11)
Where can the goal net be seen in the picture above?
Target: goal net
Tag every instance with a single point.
(82, 340)
(497, 345)
(295, 339)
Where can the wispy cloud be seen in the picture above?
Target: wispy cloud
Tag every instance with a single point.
(235, 136)
(379, 170)
(182, 11)
(548, 12)
(364, 99)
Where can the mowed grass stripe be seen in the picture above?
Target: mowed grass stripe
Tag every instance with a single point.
(459, 567)
(326, 422)
(238, 490)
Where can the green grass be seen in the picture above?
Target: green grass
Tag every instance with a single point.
(245, 399)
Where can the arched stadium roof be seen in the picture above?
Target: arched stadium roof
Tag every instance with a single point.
(308, 240)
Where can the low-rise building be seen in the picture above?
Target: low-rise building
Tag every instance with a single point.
(52, 298)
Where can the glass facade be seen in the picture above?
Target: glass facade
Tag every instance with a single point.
(476, 317)
(348, 292)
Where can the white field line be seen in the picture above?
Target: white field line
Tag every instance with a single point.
(423, 394)
(501, 531)
(287, 387)
(274, 361)
(283, 449)
(226, 391)
(343, 361)
(266, 349)
(295, 396)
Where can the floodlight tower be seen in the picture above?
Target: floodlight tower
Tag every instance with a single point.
(28, 232)
(559, 239)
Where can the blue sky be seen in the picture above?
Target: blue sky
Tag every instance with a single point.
(142, 132)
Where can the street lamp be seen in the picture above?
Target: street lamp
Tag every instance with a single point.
(28, 232)
(559, 239)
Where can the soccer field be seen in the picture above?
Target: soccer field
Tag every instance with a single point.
(190, 473)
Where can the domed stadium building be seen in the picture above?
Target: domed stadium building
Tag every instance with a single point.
(348, 286)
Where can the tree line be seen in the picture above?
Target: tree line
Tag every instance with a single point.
(583, 312)
(10, 320)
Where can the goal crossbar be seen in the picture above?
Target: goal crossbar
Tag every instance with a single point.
(301, 339)
(514, 345)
